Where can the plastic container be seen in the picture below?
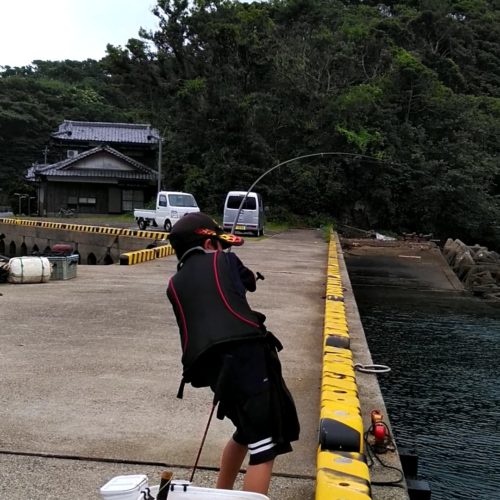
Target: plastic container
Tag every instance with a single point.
(29, 270)
(62, 249)
(124, 487)
(63, 268)
(183, 490)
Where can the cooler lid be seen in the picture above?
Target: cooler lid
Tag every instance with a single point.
(124, 484)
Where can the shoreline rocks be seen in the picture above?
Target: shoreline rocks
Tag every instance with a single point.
(477, 267)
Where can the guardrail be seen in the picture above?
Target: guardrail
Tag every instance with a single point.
(342, 471)
(157, 235)
(160, 248)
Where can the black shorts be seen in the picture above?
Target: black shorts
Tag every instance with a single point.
(246, 400)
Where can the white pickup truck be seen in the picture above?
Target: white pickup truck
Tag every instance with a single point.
(170, 207)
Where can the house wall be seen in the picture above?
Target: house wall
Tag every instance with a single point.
(84, 198)
(90, 198)
(103, 161)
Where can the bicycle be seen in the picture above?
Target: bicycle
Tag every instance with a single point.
(65, 212)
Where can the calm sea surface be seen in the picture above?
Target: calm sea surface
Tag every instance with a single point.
(443, 393)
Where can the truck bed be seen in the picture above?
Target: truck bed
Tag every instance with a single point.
(144, 214)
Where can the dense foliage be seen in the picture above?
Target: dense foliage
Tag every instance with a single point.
(411, 89)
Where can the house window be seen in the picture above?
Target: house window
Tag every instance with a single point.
(131, 199)
(87, 201)
(72, 202)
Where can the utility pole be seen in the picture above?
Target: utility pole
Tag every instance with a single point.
(45, 153)
(160, 156)
(160, 140)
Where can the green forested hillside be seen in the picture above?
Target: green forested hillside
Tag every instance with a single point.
(236, 88)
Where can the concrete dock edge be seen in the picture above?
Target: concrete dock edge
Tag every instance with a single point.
(348, 398)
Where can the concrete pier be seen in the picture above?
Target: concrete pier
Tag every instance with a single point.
(94, 244)
(91, 367)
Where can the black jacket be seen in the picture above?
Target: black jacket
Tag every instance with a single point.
(210, 306)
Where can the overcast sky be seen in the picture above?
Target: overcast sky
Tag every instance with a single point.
(68, 29)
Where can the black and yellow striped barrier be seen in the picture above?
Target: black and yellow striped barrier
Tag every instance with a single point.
(342, 475)
(157, 235)
(140, 256)
(342, 472)
(114, 231)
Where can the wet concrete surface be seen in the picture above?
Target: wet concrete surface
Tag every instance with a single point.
(417, 265)
(91, 368)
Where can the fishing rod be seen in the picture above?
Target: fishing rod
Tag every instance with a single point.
(328, 153)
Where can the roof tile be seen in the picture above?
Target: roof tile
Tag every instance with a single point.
(107, 132)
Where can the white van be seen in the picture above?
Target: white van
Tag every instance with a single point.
(251, 217)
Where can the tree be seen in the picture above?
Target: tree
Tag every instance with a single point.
(409, 89)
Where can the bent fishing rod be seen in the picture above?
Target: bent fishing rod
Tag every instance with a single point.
(328, 153)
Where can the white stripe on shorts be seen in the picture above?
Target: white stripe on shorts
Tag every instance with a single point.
(260, 446)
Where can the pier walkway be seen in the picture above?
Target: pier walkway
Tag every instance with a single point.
(91, 368)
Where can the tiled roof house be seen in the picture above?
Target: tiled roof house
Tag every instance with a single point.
(98, 167)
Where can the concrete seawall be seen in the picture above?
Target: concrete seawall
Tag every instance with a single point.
(94, 244)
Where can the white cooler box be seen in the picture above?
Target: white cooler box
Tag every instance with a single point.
(182, 490)
(135, 487)
(124, 487)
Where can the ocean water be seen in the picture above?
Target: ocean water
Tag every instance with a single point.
(443, 392)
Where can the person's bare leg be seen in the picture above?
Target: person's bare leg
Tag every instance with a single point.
(230, 464)
(258, 477)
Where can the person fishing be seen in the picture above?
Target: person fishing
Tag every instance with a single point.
(226, 346)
